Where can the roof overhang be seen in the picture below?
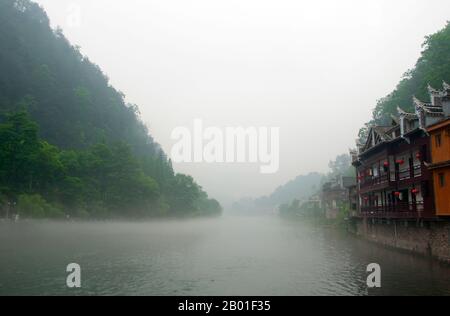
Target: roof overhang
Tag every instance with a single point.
(439, 125)
(439, 165)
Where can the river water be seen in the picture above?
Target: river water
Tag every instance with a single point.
(224, 256)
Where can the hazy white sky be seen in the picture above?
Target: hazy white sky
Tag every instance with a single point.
(313, 68)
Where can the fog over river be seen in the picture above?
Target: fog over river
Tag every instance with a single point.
(223, 256)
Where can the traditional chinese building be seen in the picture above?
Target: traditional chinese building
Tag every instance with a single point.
(393, 178)
(335, 194)
(403, 171)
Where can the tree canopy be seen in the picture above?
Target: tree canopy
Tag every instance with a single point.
(69, 143)
(432, 68)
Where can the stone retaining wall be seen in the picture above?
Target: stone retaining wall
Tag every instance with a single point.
(430, 238)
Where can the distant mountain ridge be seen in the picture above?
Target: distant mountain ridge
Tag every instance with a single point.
(299, 188)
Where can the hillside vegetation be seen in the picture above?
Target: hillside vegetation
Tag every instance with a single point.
(432, 68)
(69, 143)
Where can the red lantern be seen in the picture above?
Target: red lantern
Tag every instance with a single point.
(386, 164)
(418, 156)
(397, 194)
(400, 161)
(415, 191)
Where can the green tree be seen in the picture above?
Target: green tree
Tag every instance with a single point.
(432, 68)
(19, 149)
(91, 153)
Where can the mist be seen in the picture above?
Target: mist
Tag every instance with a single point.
(207, 148)
(312, 68)
(227, 256)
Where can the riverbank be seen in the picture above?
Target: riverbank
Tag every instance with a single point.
(16, 218)
(425, 238)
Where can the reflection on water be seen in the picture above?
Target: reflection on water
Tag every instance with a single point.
(227, 256)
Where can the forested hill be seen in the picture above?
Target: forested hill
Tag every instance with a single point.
(432, 68)
(69, 144)
(64, 92)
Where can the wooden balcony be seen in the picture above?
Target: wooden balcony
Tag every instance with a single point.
(417, 171)
(399, 211)
(375, 183)
(404, 175)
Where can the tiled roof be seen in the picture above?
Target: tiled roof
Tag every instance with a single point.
(381, 134)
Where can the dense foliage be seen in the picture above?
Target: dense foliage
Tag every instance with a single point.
(69, 144)
(432, 68)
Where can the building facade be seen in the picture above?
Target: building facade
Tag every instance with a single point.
(440, 154)
(394, 180)
(335, 194)
(403, 174)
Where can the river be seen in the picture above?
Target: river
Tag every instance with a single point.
(223, 256)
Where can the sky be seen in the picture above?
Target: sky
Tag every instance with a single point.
(314, 69)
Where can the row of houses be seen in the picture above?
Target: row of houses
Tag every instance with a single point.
(336, 194)
(402, 169)
(400, 195)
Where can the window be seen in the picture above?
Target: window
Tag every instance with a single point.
(442, 180)
(438, 140)
(375, 171)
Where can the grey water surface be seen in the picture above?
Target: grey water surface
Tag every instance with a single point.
(223, 256)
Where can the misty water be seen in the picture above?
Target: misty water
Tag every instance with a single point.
(224, 256)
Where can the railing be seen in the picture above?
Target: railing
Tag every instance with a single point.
(400, 210)
(404, 174)
(392, 176)
(368, 182)
(417, 171)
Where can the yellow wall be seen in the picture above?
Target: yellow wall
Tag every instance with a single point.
(442, 194)
(439, 155)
